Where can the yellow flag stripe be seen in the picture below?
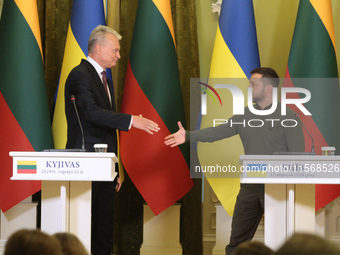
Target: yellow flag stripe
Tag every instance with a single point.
(226, 190)
(28, 163)
(72, 55)
(324, 10)
(29, 10)
(165, 9)
(223, 63)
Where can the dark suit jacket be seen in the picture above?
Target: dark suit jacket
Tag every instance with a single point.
(98, 118)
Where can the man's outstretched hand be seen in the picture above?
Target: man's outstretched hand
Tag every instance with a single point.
(177, 138)
(144, 124)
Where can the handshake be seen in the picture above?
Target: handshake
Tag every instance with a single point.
(150, 127)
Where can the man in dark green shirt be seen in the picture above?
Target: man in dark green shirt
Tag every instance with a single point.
(260, 135)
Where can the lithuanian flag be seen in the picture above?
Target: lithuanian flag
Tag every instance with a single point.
(27, 167)
(24, 114)
(152, 88)
(312, 55)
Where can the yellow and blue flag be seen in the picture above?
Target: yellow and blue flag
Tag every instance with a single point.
(235, 54)
(85, 16)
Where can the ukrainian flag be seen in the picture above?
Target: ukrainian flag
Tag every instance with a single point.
(235, 54)
(85, 16)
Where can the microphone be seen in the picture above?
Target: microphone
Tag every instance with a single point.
(73, 99)
(298, 117)
(82, 134)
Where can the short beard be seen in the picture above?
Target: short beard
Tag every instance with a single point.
(258, 98)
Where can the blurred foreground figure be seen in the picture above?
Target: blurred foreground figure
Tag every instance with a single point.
(308, 244)
(71, 245)
(253, 248)
(32, 242)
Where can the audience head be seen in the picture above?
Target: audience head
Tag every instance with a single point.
(32, 242)
(70, 243)
(308, 244)
(253, 248)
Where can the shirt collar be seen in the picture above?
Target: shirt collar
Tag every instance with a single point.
(96, 66)
(257, 107)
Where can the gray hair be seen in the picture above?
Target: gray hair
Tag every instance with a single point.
(98, 35)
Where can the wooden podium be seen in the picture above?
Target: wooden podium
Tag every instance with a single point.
(66, 186)
(289, 190)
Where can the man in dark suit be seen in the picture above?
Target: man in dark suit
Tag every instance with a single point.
(95, 102)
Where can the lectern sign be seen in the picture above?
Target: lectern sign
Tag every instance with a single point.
(62, 166)
(295, 169)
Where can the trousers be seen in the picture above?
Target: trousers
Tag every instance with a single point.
(249, 209)
(103, 199)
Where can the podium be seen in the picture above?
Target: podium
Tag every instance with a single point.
(66, 186)
(289, 190)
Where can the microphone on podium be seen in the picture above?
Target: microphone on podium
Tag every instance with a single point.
(298, 117)
(82, 134)
(299, 153)
(73, 99)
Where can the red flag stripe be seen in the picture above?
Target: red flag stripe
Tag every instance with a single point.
(158, 176)
(12, 192)
(308, 121)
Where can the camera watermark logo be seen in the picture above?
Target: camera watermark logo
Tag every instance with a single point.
(238, 99)
(205, 91)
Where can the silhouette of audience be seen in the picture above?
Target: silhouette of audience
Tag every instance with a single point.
(32, 242)
(308, 244)
(252, 248)
(71, 245)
